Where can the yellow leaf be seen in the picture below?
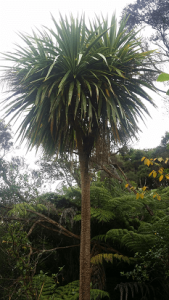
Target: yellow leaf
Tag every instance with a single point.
(155, 159)
(141, 195)
(160, 159)
(161, 170)
(158, 197)
(145, 161)
(148, 162)
(144, 188)
(143, 158)
(154, 196)
(167, 176)
(161, 177)
(154, 174)
(137, 196)
(166, 161)
(126, 185)
(3, 241)
(107, 92)
(151, 173)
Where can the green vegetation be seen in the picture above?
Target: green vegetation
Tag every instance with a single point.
(40, 232)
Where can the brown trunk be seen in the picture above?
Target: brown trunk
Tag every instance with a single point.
(84, 291)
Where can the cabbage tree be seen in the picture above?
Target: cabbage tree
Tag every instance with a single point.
(72, 84)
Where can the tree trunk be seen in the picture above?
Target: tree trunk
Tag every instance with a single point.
(84, 291)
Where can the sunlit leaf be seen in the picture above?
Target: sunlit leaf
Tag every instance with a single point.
(163, 77)
(161, 170)
(147, 162)
(154, 174)
(137, 196)
(141, 195)
(151, 173)
(161, 177)
(166, 161)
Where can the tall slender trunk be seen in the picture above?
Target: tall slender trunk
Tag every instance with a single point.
(84, 291)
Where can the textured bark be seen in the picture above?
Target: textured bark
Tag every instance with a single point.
(85, 238)
(84, 292)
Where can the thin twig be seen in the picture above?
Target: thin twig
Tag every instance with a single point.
(58, 248)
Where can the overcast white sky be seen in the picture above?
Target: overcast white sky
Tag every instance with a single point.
(24, 15)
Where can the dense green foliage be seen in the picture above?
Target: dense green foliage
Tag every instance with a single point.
(40, 232)
(152, 16)
(152, 13)
(40, 242)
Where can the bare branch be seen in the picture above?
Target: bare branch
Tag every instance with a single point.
(33, 226)
(69, 233)
(58, 248)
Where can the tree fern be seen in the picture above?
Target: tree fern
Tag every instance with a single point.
(101, 215)
(134, 288)
(43, 285)
(134, 241)
(138, 242)
(70, 291)
(99, 196)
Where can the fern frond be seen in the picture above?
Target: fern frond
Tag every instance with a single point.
(43, 285)
(101, 215)
(94, 294)
(136, 242)
(116, 234)
(99, 237)
(70, 291)
(108, 257)
(98, 214)
(145, 228)
(20, 209)
(99, 196)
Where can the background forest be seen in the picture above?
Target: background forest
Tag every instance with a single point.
(40, 231)
(41, 210)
